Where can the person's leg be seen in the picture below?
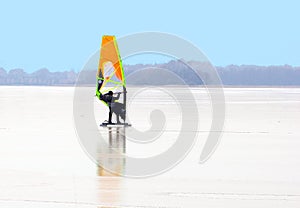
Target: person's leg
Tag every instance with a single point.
(109, 115)
(118, 119)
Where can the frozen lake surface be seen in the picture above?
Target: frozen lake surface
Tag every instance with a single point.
(42, 163)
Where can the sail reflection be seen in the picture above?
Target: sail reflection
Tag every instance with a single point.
(111, 165)
(111, 161)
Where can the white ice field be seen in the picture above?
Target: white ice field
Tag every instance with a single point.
(257, 163)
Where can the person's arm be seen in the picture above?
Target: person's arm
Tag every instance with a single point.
(118, 96)
(104, 97)
(100, 96)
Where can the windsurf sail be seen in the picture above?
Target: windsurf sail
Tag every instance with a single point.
(110, 75)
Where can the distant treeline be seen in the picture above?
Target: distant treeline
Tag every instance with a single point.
(40, 77)
(159, 74)
(285, 75)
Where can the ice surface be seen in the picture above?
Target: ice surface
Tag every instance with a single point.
(256, 164)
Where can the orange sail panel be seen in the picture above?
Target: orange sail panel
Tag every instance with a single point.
(110, 62)
(110, 75)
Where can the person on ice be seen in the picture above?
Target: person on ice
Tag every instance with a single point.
(114, 107)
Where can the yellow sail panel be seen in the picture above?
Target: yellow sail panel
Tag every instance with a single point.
(110, 62)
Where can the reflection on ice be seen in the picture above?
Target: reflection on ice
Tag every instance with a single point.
(111, 162)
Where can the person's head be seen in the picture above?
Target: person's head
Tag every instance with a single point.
(110, 93)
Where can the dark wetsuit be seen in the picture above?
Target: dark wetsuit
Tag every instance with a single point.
(112, 105)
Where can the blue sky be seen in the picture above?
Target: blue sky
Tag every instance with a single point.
(61, 35)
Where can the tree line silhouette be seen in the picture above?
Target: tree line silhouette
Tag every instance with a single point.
(232, 75)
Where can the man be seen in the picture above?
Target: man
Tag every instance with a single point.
(114, 107)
